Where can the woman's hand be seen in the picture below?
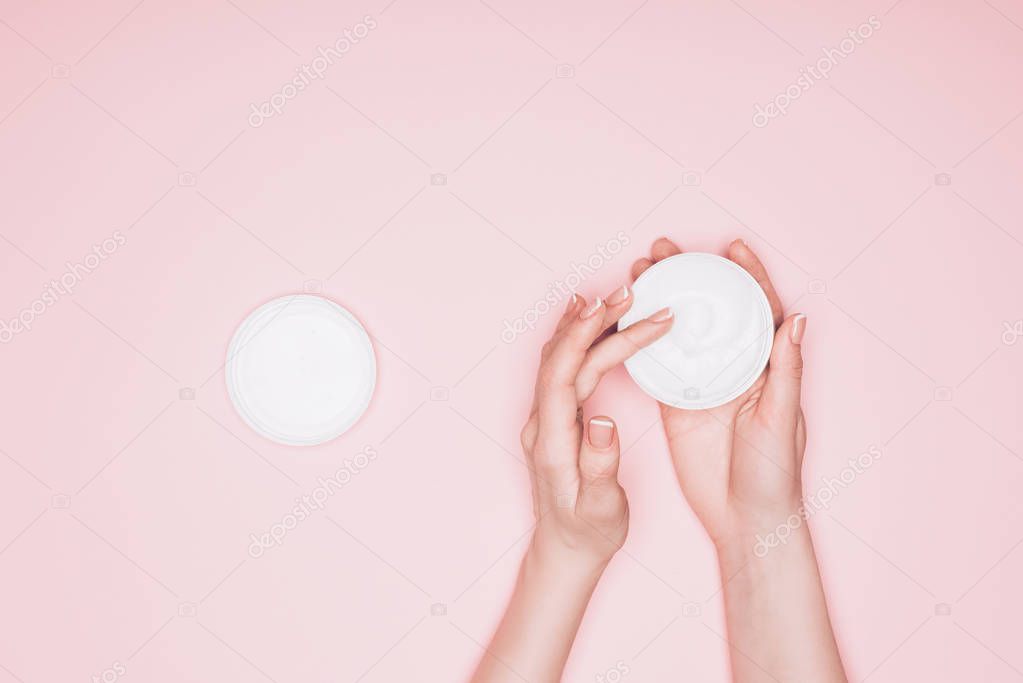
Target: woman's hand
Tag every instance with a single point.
(739, 464)
(581, 510)
(739, 467)
(582, 516)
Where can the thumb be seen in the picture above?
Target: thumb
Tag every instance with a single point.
(600, 453)
(785, 375)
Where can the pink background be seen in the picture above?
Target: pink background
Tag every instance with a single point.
(126, 509)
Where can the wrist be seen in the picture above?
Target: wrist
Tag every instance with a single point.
(556, 550)
(775, 606)
(558, 563)
(770, 537)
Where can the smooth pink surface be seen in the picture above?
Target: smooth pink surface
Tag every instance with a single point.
(126, 506)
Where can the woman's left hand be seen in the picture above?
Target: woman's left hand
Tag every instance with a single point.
(581, 510)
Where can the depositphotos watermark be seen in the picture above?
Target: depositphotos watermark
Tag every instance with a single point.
(64, 286)
(313, 71)
(560, 290)
(1011, 332)
(819, 500)
(312, 502)
(110, 674)
(810, 75)
(614, 674)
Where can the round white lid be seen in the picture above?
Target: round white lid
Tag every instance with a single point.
(720, 341)
(300, 370)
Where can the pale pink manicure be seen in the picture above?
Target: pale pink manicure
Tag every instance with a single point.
(798, 328)
(661, 315)
(602, 432)
(597, 304)
(619, 296)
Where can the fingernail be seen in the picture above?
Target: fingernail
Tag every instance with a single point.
(661, 315)
(593, 308)
(798, 328)
(602, 432)
(573, 301)
(619, 296)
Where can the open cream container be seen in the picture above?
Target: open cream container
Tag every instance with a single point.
(720, 340)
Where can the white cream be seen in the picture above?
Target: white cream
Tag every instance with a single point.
(721, 338)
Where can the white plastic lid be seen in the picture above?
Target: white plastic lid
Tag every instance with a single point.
(300, 370)
(720, 341)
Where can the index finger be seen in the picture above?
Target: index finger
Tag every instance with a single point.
(619, 347)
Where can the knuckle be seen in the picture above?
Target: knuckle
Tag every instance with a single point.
(586, 369)
(585, 385)
(547, 376)
(797, 366)
(797, 372)
(632, 339)
(597, 475)
(527, 437)
(545, 463)
(633, 336)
